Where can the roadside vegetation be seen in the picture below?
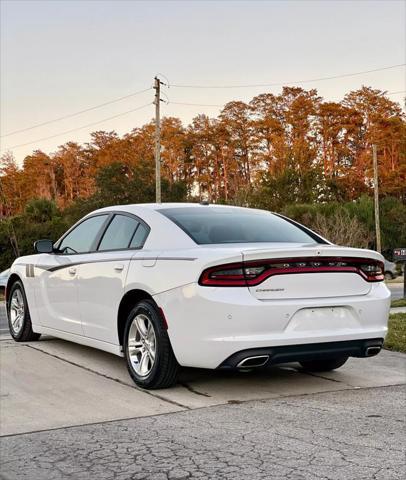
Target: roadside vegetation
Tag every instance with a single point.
(396, 338)
(400, 302)
(345, 224)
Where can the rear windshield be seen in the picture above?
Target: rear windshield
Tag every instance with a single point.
(208, 225)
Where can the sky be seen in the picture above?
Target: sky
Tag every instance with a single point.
(59, 57)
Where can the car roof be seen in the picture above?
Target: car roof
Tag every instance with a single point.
(160, 206)
(139, 207)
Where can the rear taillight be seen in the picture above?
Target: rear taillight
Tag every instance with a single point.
(373, 272)
(231, 275)
(247, 274)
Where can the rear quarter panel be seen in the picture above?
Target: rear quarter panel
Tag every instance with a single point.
(159, 271)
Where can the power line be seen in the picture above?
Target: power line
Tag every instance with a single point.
(80, 128)
(70, 115)
(279, 84)
(223, 104)
(197, 104)
(128, 112)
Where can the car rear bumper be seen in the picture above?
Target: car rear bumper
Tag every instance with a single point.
(207, 325)
(265, 357)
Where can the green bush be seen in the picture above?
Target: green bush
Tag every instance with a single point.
(346, 223)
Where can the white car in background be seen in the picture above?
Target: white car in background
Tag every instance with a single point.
(390, 270)
(4, 277)
(3, 282)
(169, 285)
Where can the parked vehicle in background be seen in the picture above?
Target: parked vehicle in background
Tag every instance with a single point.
(208, 286)
(391, 271)
(3, 282)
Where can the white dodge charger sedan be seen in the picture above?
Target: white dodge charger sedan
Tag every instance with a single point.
(169, 285)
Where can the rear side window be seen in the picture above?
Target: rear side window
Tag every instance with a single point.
(139, 236)
(216, 225)
(119, 233)
(82, 237)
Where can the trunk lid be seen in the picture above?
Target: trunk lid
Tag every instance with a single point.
(309, 271)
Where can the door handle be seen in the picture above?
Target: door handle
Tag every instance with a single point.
(119, 267)
(72, 270)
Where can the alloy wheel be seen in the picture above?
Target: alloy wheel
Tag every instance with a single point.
(142, 345)
(17, 311)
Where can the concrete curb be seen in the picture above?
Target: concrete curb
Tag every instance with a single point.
(398, 310)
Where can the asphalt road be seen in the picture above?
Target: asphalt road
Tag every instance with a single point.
(396, 289)
(351, 434)
(3, 319)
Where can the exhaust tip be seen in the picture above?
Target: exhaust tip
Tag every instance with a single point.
(371, 351)
(253, 362)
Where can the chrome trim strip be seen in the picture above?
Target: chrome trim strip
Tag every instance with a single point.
(189, 259)
(105, 260)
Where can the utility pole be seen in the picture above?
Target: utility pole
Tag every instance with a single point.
(376, 199)
(157, 102)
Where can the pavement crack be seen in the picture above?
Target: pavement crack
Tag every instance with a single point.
(117, 380)
(323, 377)
(191, 389)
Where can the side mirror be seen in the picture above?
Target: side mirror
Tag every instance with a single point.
(44, 246)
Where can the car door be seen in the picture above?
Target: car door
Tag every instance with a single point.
(57, 299)
(101, 282)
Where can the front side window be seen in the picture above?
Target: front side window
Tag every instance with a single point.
(82, 238)
(208, 225)
(119, 233)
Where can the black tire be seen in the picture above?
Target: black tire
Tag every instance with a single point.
(325, 365)
(165, 369)
(24, 334)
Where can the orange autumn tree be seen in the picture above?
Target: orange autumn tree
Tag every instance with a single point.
(292, 146)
